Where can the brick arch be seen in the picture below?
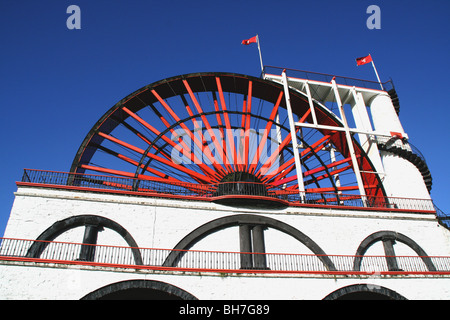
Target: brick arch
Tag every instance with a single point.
(139, 290)
(389, 237)
(366, 291)
(241, 220)
(92, 221)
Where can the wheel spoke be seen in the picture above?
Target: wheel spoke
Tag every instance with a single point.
(169, 163)
(211, 133)
(230, 138)
(263, 140)
(184, 149)
(135, 163)
(246, 126)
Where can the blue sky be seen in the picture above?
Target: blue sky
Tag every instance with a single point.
(56, 83)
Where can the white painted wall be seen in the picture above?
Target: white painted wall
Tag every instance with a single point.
(162, 223)
(37, 283)
(402, 178)
(384, 116)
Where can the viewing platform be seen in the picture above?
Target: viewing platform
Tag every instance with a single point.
(220, 191)
(320, 83)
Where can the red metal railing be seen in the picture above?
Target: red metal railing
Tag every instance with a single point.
(211, 192)
(324, 77)
(214, 261)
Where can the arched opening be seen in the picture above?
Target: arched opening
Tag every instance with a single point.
(92, 224)
(362, 295)
(364, 292)
(389, 238)
(139, 290)
(139, 294)
(251, 234)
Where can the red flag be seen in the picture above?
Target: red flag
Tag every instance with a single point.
(248, 41)
(363, 60)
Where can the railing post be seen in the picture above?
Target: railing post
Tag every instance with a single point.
(25, 177)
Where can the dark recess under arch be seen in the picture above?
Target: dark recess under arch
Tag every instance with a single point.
(139, 290)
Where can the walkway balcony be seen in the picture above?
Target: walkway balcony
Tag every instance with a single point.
(103, 256)
(245, 191)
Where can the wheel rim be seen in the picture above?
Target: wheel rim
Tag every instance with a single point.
(203, 128)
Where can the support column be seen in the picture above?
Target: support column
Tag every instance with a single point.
(245, 245)
(298, 166)
(348, 137)
(87, 252)
(362, 122)
(337, 180)
(311, 105)
(388, 244)
(259, 260)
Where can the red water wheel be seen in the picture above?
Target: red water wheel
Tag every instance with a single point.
(221, 134)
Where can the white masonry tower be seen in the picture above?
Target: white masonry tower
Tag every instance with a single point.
(295, 185)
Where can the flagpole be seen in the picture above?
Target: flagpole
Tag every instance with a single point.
(260, 56)
(376, 72)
